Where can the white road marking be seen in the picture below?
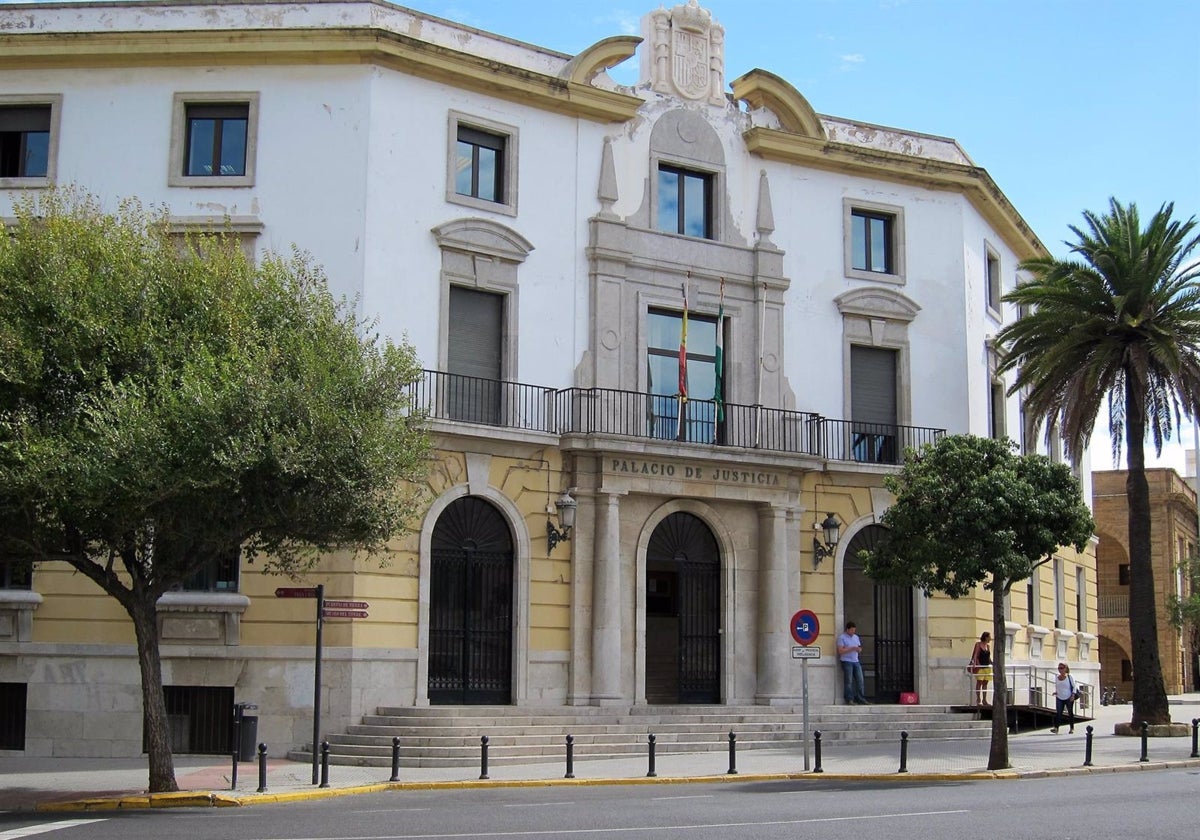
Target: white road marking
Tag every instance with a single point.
(30, 830)
(643, 829)
(669, 798)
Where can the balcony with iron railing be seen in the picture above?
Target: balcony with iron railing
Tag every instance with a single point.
(1113, 604)
(630, 414)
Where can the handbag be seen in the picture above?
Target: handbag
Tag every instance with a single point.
(1074, 688)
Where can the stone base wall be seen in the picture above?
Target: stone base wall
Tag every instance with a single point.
(86, 701)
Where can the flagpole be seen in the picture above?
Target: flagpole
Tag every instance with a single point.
(683, 395)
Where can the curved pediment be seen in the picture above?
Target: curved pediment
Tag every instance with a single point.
(483, 236)
(877, 302)
(760, 89)
(600, 56)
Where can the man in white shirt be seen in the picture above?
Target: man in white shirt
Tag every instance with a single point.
(849, 646)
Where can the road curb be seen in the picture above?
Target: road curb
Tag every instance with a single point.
(230, 799)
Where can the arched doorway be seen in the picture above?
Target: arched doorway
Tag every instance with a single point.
(683, 612)
(884, 614)
(470, 605)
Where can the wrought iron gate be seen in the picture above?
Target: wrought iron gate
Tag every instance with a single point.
(470, 606)
(888, 655)
(683, 542)
(893, 642)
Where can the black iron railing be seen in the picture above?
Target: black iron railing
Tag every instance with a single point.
(513, 405)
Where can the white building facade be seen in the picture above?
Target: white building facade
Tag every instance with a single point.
(534, 229)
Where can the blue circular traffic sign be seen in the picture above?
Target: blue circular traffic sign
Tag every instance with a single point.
(805, 627)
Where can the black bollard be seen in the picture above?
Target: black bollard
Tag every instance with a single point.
(1087, 748)
(1195, 746)
(732, 771)
(1145, 742)
(395, 759)
(262, 768)
(483, 742)
(817, 745)
(903, 753)
(651, 739)
(324, 764)
(233, 775)
(570, 757)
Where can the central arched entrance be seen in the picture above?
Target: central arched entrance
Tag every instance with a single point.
(683, 612)
(884, 614)
(471, 606)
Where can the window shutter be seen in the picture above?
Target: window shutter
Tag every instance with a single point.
(476, 320)
(873, 385)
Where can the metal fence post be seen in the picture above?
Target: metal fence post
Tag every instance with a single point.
(262, 768)
(651, 739)
(570, 757)
(903, 752)
(732, 754)
(395, 759)
(817, 751)
(1087, 748)
(1145, 742)
(324, 764)
(483, 750)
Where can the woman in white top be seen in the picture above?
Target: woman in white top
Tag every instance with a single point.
(1064, 698)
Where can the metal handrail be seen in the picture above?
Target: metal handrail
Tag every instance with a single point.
(491, 402)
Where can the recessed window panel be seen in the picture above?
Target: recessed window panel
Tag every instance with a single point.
(24, 141)
(479, 164)
(871, 245)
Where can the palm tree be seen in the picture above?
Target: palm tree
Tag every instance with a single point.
(1119, 320)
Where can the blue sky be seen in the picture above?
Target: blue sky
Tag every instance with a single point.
(1064, 102)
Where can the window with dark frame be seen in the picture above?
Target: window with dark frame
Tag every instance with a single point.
(872, 241)
(219, 575)
(24, 141)
(992, 271)
(1123, 574)
(685, 201)
(479, 167)
(216, 136)
(996, 424)
(16, 573)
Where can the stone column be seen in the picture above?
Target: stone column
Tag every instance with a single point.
(606, 602)
(774, 598)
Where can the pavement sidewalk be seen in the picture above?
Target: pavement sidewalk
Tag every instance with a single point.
(79, 784)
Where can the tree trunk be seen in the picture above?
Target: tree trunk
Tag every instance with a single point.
(143, 610)
(1149, 690)
(998, 754)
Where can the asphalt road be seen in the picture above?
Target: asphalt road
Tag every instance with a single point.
(1160, 805)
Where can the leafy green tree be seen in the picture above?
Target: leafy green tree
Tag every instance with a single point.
(1118, 321)
(166, 404)
(969, 511)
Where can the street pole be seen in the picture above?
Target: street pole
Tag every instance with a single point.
(316, 741)
(804, 685)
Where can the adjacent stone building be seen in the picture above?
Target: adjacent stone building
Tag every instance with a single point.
(603, 528)
(1173, 540)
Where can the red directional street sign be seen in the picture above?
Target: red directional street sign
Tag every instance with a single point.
(345, 605)
(344, 613)
(296, 592)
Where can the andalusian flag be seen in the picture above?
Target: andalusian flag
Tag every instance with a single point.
(719, 363)
(683, 391)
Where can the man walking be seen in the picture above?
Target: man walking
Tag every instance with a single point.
(849, 646)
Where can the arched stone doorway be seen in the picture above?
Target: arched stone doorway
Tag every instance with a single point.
(683, 612)
(471, 606)
(884, 614)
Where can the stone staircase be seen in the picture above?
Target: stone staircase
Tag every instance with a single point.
(449, 736)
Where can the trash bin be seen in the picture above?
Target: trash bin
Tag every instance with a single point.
(245, 731)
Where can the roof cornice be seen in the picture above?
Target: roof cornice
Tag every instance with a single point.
(317, 46)
(972, 181)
